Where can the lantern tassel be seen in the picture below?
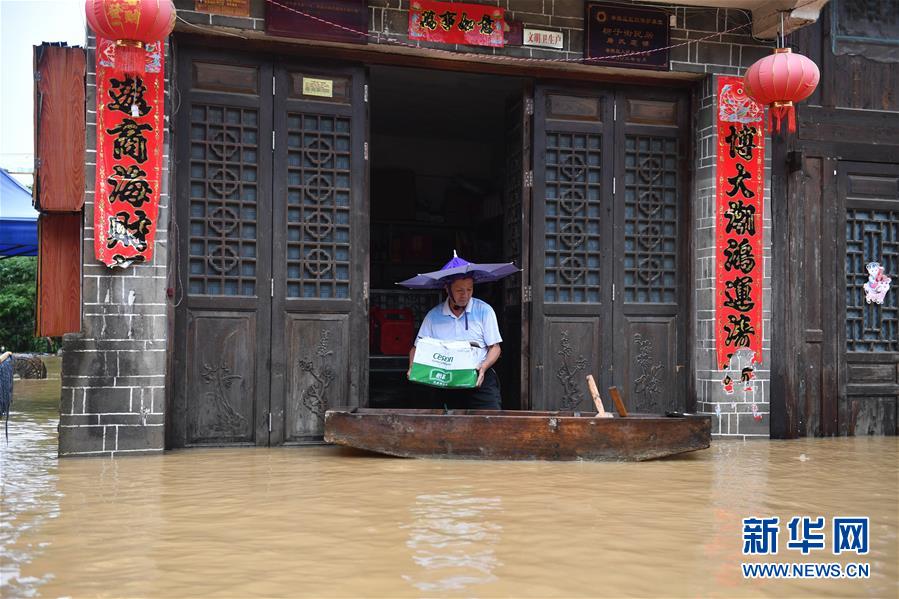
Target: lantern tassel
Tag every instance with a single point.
(131, 59)
(791, 119)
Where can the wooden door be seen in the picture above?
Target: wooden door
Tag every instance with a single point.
(651, 209)
(868, 213)
(223, 202)
(608, 266)
(571, 234)
(320, 292)
(272, 232)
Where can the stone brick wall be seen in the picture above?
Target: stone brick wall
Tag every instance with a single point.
(113, 371)
(721, 53)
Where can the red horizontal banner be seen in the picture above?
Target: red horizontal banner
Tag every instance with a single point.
(738, 221)
(129, 157)
(453, 23)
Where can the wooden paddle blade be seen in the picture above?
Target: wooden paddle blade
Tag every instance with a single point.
(597, 401)
(616, 397)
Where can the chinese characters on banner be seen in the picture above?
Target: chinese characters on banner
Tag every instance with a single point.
(129, 157)
(738, 222)
(452, 23)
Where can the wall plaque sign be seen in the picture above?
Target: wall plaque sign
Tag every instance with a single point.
(635, 38)
(230, 8)
(738, 222)
(542, 38)
(455, 23)
(323, 88)
(289, 18)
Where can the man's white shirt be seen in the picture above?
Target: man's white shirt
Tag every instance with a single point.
(440, 323)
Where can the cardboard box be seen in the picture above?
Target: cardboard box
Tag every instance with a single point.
(449, 364)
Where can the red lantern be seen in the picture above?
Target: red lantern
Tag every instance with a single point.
(779, 80)
(131, 23)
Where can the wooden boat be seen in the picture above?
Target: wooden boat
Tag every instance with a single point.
(515, 435)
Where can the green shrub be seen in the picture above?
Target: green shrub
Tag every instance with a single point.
(18, 285)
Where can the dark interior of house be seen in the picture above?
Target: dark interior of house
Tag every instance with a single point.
(437, 176)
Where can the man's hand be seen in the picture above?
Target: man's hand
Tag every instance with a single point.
(481, 372)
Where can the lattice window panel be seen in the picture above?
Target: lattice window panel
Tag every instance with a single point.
(871, 236)
(318, 206)
(223, 195)
(650, 219)
(572, 221)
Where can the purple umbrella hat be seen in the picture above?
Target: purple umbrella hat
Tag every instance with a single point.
(458, 267)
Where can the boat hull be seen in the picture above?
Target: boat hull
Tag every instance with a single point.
(515, 435)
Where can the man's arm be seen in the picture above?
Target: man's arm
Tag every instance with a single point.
(493, 353)
(411, 359)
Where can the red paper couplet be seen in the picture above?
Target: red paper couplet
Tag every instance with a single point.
(454, 23)
(130, 121)
(738, 221)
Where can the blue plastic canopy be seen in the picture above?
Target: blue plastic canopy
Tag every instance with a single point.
(18, 219)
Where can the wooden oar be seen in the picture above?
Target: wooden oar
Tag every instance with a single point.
(597, 401)
(616, 397)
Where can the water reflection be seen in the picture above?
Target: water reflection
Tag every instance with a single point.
(453, 540)
(326, 522)
(28, 482)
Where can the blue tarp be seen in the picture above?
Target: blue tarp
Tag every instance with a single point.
(18, 220)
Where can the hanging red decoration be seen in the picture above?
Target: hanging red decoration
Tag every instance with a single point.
(779, 80)
(132, 24)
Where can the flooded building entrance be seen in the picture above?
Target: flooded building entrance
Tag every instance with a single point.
(440, 182)
(307, 191)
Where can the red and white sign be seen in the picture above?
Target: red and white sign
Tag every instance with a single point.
(738, 221)
(543, 39)
(454, 23)
(130, 121)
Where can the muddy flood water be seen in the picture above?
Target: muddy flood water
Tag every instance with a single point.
(324, 522)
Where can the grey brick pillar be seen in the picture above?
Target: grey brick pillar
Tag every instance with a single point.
(731, 413)
(114, 370)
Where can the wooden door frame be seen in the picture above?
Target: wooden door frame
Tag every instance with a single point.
(357, 112)
(271, 54)
(846, 359)
(178, 259)
(685, 399)
(687, 100)
(539, 349)
(796, 410)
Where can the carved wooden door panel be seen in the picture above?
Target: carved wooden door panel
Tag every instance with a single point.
(571, 224)
(320, 236)
(651, 209)
(223, 212)
(868, 210)
(608, 262)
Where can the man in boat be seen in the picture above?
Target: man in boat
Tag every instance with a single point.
(465, 318)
